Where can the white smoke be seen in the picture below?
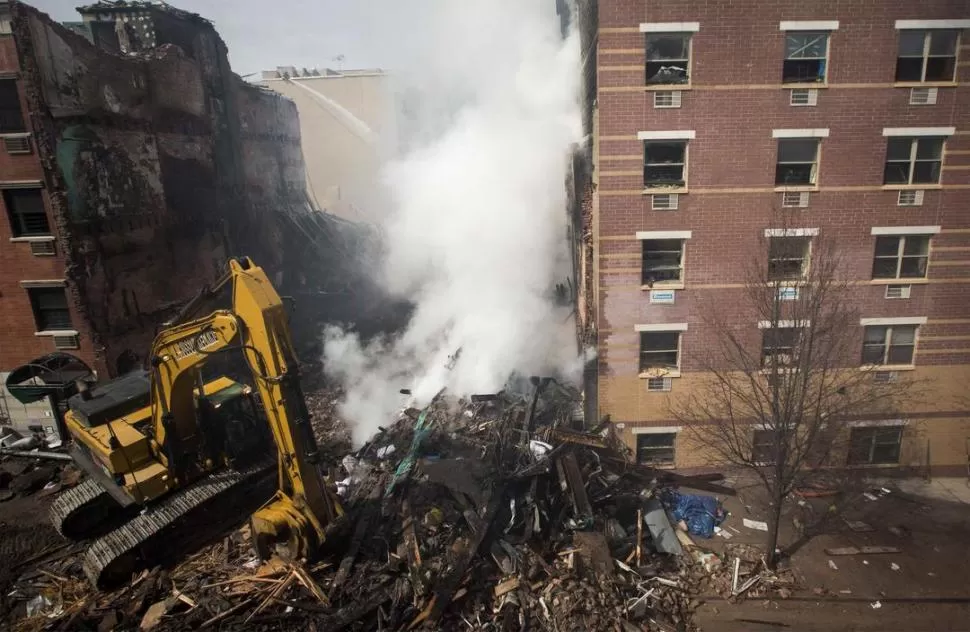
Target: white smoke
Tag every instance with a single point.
(477, 226)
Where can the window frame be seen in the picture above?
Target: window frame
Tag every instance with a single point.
(913, 160)
(768, 459)
(45, 325)
(861, 435)
(15, 218)
(806, 259)
(767, 352)
(671, 448)
(900, 256)
(647, 61)
(679, 280)
(662, 186)
(887, 345)
(825, 59)
(813, 175)
(20, 120)
(925, 55)
(672, 370)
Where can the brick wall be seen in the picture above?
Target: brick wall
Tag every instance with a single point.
(734, 102)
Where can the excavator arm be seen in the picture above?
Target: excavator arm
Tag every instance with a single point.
(293, 522)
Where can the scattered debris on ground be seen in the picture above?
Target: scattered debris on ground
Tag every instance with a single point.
(491, 512)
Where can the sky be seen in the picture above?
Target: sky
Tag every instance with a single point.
(303, 33)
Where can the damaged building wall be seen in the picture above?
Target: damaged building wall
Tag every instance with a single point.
(154, 174)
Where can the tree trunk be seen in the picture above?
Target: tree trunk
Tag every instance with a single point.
(774, 521)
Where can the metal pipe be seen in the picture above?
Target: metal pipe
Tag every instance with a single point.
(53, 456)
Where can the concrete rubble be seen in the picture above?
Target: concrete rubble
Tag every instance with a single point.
(486, 512)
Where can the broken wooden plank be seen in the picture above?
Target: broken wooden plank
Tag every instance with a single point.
(569, 470)
(506, 586)
(862, 550)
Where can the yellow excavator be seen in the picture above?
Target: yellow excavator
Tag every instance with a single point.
(173, 458)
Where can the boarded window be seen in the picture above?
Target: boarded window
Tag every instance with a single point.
(25, 209)
(50, 308)
(875, 446)
(656, 448)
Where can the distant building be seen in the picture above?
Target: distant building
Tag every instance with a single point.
(347, 123)
(133, 162)
(703, 119)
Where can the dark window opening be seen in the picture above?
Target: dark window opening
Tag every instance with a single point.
(805, 57)
(893, 345)
(663, 163)
(901, 257)
(788, 258)
(763, 447)
(779, 344)
(797, 161)
(25, 208)
(668, 58)
(656, 448)
(50, 308)
(662, 260)
(913, 160)
(11, 116)
(875, 446)
(659, 350)
(927, 55)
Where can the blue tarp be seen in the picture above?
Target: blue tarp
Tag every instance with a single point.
(701, 513)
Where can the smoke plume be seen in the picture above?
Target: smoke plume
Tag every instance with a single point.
(476, 229)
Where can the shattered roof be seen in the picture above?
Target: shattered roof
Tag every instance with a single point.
(108, 6)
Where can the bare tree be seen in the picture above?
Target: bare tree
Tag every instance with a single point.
(782, 379)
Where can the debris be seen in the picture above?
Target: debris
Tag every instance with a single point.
(858, 526)
(862, 550)
(153, 616)
(894, 566)
(700, 513)
(663, 534)
(875, 605)
(833, 566)
(760, 525)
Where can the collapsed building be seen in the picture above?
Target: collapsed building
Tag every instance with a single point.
(135, 162)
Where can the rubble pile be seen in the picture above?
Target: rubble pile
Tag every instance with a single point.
(487, 513)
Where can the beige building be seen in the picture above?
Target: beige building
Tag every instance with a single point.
(347, 125)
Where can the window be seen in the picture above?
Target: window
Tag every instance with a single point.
(11, 116)
(892, 345)
(927, 55)
(876, 445)
(805, 57)
(663, 260)
(25, 208)
(656, 448)
(50, 308)
(664, 162)
(797, 161)
(779, 344)
(901, 257)
(763, 447)
(659, 350)
(788, 257)
(668, 58)
(913, 160)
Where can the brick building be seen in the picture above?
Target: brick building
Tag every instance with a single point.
(133, 162)
(708, 117)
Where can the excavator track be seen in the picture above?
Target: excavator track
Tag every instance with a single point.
(166, 529)
(85, 511)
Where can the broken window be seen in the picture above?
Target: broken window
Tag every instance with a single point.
(662, 260)
(763, 447)
(659, 350)
(797, 161)
(664, 163)
(668, 58)
(913, 160)
(656, 448)
(927, 55)
(11, 116)
(50, 308)
(788, 258)
(778, 345)
(805, 57)
(892, 345)
(901, 257)
(874, 446)
(25, 208)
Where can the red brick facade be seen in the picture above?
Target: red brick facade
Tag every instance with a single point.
(733, 102)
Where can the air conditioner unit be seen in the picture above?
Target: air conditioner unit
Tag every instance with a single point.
(665, 202)
(666, 99)
(795, 199)
(42, 248)
(922, 96)
(66, 341)
(910, 198)
(16, 143)
(898, 291)
(659, 384)
(884, 377)
(804, 96)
